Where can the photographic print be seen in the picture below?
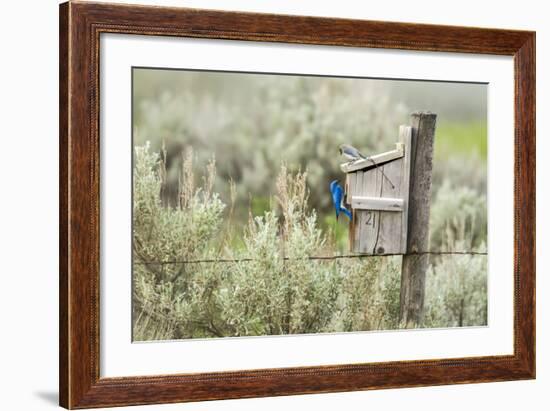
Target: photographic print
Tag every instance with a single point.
(310, 194)
(277, 204)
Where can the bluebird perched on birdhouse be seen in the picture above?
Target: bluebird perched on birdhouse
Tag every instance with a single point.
(353, 155)
(350, 152)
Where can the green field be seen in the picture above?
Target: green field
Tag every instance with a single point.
(466, 138)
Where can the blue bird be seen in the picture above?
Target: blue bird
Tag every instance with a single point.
(337, 198)
(353, 155)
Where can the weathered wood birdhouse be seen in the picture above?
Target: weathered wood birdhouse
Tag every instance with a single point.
(377, 192)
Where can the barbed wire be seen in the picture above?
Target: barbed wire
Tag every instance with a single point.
(326, 258)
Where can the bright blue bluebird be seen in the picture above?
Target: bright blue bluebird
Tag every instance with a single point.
(337, 198)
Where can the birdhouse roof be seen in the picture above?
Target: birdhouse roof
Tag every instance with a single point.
(375, 160)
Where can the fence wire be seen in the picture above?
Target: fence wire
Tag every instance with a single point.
(326, 258)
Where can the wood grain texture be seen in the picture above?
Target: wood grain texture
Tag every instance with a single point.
(405, 138)
(63, 205)
(378, 203)
(372, 160)
(389, 236)
(369, 184)
(81, 25)
(414, 266)
(525, 204)
(376, 195)
(360, 217)
(378, 207)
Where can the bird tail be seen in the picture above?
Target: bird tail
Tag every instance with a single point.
(347, 212)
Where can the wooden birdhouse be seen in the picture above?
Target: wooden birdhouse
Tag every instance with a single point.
(377, 192)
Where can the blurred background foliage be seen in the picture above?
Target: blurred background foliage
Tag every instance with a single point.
(251, 123)
(249, 126)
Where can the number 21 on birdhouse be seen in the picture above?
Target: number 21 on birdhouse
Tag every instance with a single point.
(377, 191)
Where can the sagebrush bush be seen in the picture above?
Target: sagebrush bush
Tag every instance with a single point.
(456, 288)
(281, 291)
(459, 212)
(369, 298)
(212, 286)
(187, 232)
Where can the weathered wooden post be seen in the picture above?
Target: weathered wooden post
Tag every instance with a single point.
(414, 266)
(389, 195)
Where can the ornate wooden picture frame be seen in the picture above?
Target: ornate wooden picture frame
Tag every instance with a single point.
(81, 25)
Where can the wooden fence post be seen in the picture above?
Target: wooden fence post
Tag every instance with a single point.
(414, 266)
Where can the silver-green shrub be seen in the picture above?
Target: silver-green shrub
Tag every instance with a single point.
(456, 286)
(461, 213)
(191, 279)
(166, 296)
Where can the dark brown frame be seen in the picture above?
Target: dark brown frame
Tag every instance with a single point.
(80, 27)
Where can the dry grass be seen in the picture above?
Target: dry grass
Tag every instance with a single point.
(279, 291)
